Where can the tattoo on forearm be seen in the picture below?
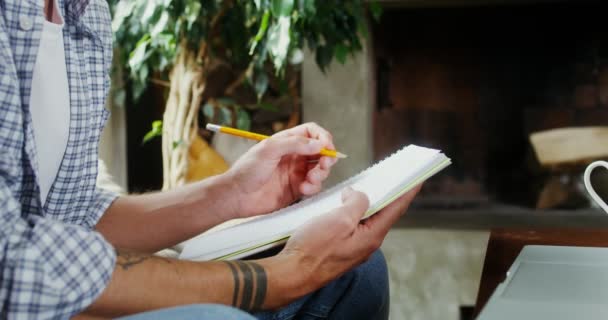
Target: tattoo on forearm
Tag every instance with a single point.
(261, 285)
(128, 259)
(247, 286)
(235, 275)
(252, 293)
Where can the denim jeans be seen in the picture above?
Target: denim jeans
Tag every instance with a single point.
(361, 293)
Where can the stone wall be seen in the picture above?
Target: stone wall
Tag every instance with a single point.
(340, 101)
(433, 273)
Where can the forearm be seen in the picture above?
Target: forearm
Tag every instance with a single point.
(154, 221)
(142, 282)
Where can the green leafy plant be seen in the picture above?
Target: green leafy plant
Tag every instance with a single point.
(224, 58)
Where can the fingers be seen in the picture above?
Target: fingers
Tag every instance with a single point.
(277, 147)
(309, 189)
(327, 162)
(317, 173)
(354, 205)
(341, 222)
(381, 222)
(310, 130)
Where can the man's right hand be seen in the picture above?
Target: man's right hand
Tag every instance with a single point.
(338, 241)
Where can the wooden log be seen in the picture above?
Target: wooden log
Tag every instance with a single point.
(570, 146)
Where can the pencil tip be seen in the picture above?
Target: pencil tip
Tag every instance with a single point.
(341, 155)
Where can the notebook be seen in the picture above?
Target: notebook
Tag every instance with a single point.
(383, 182)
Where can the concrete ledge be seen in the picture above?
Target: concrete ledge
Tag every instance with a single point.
(502, 216)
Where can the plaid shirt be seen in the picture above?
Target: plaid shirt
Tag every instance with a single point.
(52, 264)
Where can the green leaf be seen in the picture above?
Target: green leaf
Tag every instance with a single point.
(160, 25)
(263, 26)
(157, 131)
(261, 4)
(143, 73)
(149, 11)
(307, 8)
(166, 41)
(192, 12)
(278, 41)
(282, 8)
(149, 33)
(225, 116)
(340, 52)
(267, 106)
(323, 56)
(261, 32)
(138, 89)
(123, 10)
(376, 9)
(243, 121)
(209, 111)
(138, 56)
(260, 84)
(225, 101)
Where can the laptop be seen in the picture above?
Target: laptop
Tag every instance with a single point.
(551, 282)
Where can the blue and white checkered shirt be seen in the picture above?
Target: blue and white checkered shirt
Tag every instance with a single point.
(52, 263)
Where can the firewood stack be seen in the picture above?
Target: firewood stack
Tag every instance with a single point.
(565, 153)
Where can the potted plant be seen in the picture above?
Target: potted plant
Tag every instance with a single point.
(226, 59)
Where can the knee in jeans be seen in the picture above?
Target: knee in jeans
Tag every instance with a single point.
(371, 278)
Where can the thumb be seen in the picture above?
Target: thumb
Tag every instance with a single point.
(277, 147)
(354, 204)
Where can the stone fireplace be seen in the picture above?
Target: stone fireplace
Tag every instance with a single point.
(475, 81)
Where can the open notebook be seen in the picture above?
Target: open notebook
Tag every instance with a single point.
(383, 182)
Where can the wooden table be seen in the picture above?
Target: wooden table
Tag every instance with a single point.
(505, 244)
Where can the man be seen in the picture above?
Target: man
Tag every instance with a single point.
(58, 233)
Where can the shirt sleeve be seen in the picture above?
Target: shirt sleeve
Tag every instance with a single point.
(48, 269)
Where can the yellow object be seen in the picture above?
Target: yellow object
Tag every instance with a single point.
(203, 161)
(260, 137)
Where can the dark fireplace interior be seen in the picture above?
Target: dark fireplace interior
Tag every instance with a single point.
(475, 81)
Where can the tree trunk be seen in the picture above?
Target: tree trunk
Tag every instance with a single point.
(180, 119)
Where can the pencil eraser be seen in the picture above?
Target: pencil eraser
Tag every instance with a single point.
(213, 127)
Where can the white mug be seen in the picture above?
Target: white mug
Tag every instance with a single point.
(589, 187)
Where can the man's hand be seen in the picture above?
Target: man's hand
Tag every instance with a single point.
(271, 175)
(280, 170)
(338, 241)
(316, 254)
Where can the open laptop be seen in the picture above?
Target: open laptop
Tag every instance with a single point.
(550, 282)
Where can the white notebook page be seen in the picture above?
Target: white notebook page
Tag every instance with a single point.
(381, 182)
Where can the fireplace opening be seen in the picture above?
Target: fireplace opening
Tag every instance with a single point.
(476, 81)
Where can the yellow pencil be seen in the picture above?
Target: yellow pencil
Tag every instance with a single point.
(260, 137)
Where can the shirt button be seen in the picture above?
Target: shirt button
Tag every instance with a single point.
(25, 23)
